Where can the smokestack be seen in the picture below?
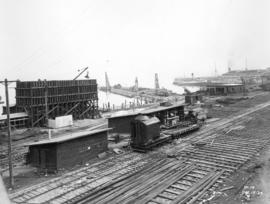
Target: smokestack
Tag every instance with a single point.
(136, 84)
(229, 66)
(156, 81)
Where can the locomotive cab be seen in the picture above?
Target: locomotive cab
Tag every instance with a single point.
(144, 131)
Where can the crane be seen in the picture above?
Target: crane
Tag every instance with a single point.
(87, 76)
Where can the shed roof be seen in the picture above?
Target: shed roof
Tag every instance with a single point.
(124, 115)
(222, 85)
(149, 111)
(67, 137)
(14, 115)
(161, 108)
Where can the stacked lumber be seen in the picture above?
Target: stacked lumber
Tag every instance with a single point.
(167, 181)
(139, 183)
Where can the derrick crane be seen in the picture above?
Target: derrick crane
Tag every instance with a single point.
(136, 87)
(108, 86)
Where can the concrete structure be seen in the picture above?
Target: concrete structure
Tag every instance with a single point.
(67, 150)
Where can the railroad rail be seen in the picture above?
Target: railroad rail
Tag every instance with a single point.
(64, 188)
(196, 171)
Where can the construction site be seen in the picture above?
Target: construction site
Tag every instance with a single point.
(143, 95)
(135, 102)
(210, 147)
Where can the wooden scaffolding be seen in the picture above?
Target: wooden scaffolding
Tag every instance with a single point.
(49, 99)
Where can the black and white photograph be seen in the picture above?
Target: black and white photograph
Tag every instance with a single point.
(134, 102)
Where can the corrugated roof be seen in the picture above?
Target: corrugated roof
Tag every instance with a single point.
(67, 137)
(14, 115)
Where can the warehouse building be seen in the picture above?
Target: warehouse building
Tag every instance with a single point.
(121, 123)
(67, 150)
(213, 89)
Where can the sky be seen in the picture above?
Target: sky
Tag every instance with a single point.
(53, 39)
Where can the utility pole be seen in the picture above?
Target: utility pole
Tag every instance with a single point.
(11, 180)
(46, 104)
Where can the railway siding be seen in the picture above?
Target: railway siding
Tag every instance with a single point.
(138, 178)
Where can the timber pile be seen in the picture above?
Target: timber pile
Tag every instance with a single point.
(140, 183)
(89, 178)
(166, 182)
(139, 178)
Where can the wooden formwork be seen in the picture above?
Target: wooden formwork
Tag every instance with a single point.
(57, 98)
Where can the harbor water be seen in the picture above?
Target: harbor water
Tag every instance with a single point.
(104, 98)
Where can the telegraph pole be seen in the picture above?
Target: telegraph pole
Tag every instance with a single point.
(11, 180)
(46, 104)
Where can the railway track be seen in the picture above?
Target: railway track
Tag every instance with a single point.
(190, 184)
(18, 157)
(64, 188)
(136, 178)
(222, 155)
(215, 162)
(182, 180)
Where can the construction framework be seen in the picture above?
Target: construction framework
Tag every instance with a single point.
(42, 100)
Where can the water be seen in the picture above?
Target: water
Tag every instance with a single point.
(104, 98)
(113, 99)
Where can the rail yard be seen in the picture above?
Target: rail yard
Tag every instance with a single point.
(195, 168)
(135, 102)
